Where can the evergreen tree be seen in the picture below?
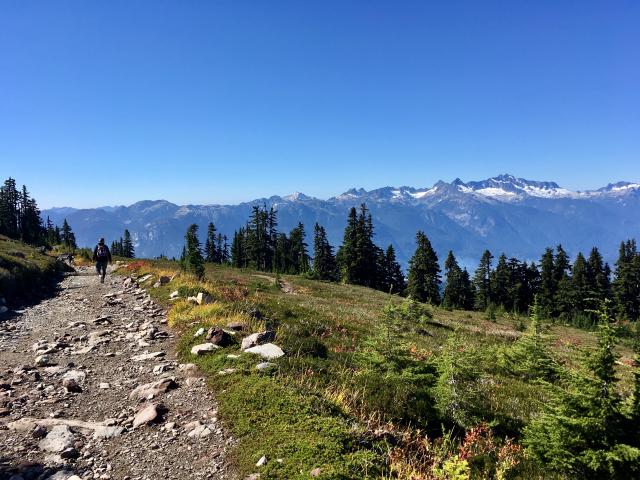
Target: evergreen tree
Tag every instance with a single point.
(393, 276)
(281, 262)
(500, 281)
(225, 256)
(193, 261)
(128, 250)
(580, 288)
(598, 281)
(626, 286)
(359, 258)
(548, 285)
(562, 307)
(347, 256)
(238, 259)
(298, 256)
(9, 213)
(210, 245)
(424, 272)
(454, 290)
(324, 263)
(482, 282)
(68, 237)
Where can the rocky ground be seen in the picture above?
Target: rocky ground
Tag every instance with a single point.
(90, 388)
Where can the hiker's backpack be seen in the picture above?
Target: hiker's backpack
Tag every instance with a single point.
(102, 252)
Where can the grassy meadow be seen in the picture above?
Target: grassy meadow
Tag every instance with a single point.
(372, 385)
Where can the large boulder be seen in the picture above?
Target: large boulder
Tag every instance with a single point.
(257, 339)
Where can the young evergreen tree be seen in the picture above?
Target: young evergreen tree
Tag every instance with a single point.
(424, 272)
(193, 261)
(529, 357)
(482, 282)
(582, 433)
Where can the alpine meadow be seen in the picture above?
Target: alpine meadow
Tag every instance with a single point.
(468, 308)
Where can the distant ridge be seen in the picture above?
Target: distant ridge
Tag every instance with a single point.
(503, 213)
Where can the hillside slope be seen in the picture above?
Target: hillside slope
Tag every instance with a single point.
(363, 378)
(24, 271)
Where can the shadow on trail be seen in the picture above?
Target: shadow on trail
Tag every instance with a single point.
(36, 294)
(18, 468)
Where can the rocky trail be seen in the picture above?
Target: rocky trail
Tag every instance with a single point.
(90, 388)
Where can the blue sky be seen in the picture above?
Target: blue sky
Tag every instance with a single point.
(219, 102)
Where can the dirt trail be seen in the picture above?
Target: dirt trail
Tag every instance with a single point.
(82, 376)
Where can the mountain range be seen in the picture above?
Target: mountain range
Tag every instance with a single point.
(503, 214)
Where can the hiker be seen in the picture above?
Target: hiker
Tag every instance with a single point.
(101, 255)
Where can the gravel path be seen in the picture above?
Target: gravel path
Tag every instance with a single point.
(90, 386)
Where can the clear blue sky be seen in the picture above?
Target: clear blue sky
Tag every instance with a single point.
(215, 102)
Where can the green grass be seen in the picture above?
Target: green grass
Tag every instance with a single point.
(24, 272)
(357, 390)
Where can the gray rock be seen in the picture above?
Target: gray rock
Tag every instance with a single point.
(57, 440)
(147, 415)
(204, 348)
(153, 389)
(71, 385)
(76, 375)
(258, 339)
(268, 351)
(147, 356)
(107, 432)
(43, 360)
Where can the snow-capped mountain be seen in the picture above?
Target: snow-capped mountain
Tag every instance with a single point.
(504, 214)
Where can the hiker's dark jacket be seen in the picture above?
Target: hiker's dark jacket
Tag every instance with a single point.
(95, 255)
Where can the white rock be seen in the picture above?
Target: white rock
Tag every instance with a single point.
(173, 295)
(262, 461)
(76, 375)
(268, 351)
(147, 356)
(204, 348)
(199, 332)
